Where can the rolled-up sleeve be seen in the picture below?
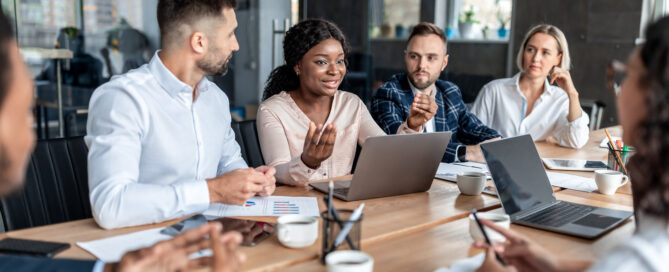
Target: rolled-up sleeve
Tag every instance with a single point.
(276, 150)
(574, 134)
(115, 130)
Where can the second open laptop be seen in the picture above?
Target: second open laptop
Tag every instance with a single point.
(393, 165)
(527, 196)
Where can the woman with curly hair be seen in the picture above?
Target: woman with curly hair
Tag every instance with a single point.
(305, 115)
(643, 105)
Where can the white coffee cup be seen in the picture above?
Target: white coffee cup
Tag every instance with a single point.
(608, 181)
(471, 183)
(349, 261)
(502, 220)
(297, 231)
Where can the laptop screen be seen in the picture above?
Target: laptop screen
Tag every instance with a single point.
(518, 174)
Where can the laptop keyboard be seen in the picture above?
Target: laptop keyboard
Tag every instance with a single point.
(341, 191)
(558, 215)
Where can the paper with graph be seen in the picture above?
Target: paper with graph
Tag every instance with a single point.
(266, 206)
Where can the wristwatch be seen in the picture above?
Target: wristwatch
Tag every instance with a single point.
(461, 153)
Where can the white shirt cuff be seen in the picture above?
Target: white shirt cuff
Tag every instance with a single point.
(193, 195)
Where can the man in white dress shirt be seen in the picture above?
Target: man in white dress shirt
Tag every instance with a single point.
(159, 137)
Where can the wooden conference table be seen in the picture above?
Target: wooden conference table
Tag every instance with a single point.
(419, 231)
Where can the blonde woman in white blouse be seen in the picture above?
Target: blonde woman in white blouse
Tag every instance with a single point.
(527, 103)
(643, 107)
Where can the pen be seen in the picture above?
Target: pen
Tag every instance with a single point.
(341, 225)
(328, 230)
(485, 235)
(614, 151)
(465, 165)
(624, 153)
(344, 232)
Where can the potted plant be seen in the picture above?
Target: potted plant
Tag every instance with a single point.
(502, 32)
(468, 25)
(399, 31)
(450, 32)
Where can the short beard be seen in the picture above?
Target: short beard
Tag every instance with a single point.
(212, 66)
(421, 86)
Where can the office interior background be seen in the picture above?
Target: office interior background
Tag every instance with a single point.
(110, 37)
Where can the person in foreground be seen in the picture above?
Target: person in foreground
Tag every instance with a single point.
(643, 106)
(305, 116)
(527, 103)
(426, 58)
(160, 141)
(17, 139)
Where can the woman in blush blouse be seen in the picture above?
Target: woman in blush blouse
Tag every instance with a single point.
(308, 128)
(528, 103)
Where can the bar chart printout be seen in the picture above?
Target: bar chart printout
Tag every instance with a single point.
(266, 206)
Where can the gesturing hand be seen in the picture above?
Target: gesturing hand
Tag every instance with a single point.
(563, 79)
(173, 254)
(318, 144)
(422, 110)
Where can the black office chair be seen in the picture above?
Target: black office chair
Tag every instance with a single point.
(55, 189)
(246, 135)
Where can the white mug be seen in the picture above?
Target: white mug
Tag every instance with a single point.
(349, 261)
(608, 181)
(502, 220)
(471, 183)
(297, 231)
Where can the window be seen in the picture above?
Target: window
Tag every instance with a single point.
(114, 27)
(482, 19)
(394, 18)
(40, 21)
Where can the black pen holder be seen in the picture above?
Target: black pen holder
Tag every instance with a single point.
(332, 228)
(624, 157)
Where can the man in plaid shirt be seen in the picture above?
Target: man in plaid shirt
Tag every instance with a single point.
(426, 57)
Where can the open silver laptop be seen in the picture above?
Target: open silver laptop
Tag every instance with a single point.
(393, 165)
(528, 198)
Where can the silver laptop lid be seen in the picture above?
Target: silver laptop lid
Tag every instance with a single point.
(518, 174)
(397, 164)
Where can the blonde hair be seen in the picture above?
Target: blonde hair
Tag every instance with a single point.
(556, 33)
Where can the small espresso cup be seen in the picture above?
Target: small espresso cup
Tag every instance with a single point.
(608, 181)
(349, 261)
(471, 183)
(297, 231)
(502, 220)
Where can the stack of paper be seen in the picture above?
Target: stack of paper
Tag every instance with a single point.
(448, 171)
(111, 249)
(572, 182)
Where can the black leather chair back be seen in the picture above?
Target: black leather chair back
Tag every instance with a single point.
(246, 135)
(55, 189)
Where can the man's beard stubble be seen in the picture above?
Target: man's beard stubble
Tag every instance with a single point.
(212, 67)
(421, 86)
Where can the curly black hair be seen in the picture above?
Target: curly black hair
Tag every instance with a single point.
(649, 168)
(298, 40)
